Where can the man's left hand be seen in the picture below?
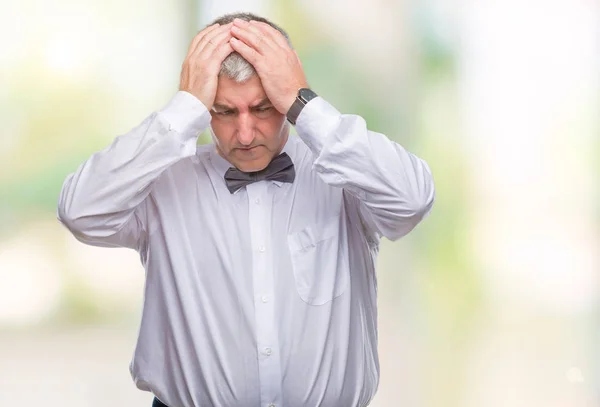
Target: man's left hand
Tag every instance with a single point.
(276, 63)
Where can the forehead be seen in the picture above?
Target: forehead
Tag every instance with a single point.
(232, 93)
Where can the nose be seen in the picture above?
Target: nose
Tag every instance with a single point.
(245, 129)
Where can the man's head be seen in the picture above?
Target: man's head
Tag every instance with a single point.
(248, 131)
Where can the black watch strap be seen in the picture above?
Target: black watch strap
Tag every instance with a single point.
(305, 95)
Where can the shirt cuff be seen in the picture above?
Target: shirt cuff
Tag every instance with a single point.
(186, 114)
(316, 121)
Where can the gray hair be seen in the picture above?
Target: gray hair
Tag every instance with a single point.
(234, 66)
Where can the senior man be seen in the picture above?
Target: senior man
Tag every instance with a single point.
(260, 248)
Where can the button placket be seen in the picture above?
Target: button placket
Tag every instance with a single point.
(259, 211)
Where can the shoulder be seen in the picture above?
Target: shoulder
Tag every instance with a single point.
(204, 150)
(308, 180)
(189, 168)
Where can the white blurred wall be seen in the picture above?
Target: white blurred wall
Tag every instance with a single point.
(529, 84)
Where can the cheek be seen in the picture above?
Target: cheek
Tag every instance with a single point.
(272, 127)
(221, 134)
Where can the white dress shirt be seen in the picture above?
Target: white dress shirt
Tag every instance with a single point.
(264, 297)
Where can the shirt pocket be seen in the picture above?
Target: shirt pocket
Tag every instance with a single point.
(319, 257)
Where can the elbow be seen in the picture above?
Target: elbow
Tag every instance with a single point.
(423, 198)
(88, 219)
(76, 217)
(68, 218)
(85, 227)
(88, 229)
(66, 210)
(79, 214)
(412, 213)
(424, 204)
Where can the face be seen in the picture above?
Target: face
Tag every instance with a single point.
(247, 129)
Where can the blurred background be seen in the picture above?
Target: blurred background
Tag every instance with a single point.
(493, 301)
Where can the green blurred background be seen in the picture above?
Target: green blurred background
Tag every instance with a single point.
(492, 301)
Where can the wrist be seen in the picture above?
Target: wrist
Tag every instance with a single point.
(303, 96)
(186, 114)
(288, 101)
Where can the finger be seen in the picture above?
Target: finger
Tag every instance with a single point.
(256, 41)
(222, 52)
(247, 52)
(209, 38)
(252, 36)
(199, 37)
(273, 33)
(215, 42)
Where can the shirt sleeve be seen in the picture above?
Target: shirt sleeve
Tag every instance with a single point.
(394, 187)
(100, 203)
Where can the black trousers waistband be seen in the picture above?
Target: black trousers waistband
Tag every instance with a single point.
(158, 403)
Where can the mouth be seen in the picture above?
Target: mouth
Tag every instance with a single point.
(248, 148)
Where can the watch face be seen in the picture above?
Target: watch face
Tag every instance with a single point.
(306, 94)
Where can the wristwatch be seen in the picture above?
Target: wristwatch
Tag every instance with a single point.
(305, 95)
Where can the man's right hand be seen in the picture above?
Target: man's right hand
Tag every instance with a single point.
(200, 70)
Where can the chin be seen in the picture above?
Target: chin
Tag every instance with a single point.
(251, 162)
(253, 165)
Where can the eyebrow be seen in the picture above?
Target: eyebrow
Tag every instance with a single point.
(222, 107)
(262, 103)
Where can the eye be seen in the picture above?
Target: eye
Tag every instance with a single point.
(263, 111)
(225, 113)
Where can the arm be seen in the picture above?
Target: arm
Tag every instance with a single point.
(101, 203)
(395, 187)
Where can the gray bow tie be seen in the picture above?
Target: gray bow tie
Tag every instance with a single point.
(281, 169)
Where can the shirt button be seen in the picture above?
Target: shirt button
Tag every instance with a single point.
(267, 351)
(271, 405)
(257, 201)
(264, 298)
(261, 249)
